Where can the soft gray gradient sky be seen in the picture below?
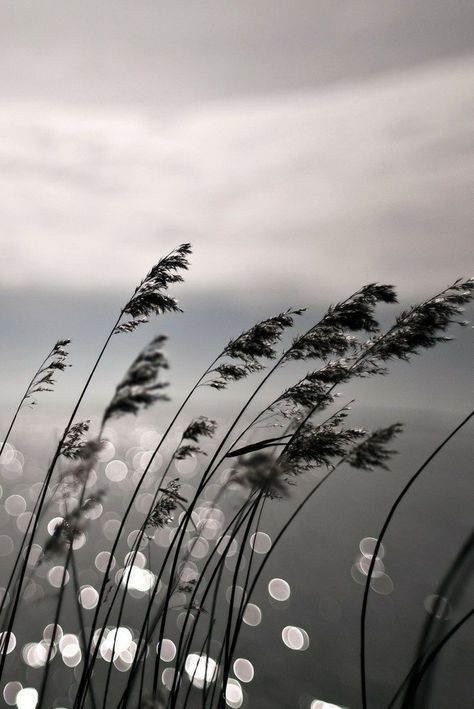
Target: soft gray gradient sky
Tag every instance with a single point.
(304, 148)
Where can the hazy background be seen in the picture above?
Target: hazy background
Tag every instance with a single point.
(303, 147)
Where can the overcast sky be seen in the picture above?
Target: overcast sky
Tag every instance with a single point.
(302, 147)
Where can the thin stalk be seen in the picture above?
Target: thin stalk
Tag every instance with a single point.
(421, 665)
(238, 519)
(233, 586)
(277, 539)
(191, 679)
(43, 493)
(142, 683)
(441, 592)
(210, 470)
(218, 569)
(274, 544)
(245, 594)
(215, 597)
(222, 701)
(17, 560)
(228, 629)
(137, 543)
(170, 590)
(69, 557)
(381, 534)
(75, 580)
(152, 596)
(142, 677)
(44, 680)
(86, 673)
(157, 617)
(20, 550)
(130, 563)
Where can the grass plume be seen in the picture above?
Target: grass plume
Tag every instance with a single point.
(207, 526)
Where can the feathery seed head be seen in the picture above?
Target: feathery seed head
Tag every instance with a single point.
(372, 452)
(74, 445)
(253, 345)
(232, 373)
(44, 378)
(259, 341)
(139, 388)
(424, 325)
(201, 426)
(260, 472)
(150, 295)
(162, 513)
(331, 336)
(357, 312)
(320, 445)
(198, 428)
(130, 325)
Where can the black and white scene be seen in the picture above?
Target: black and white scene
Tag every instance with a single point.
(236, 381)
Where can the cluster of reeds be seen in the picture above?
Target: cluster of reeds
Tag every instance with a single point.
(347, 343)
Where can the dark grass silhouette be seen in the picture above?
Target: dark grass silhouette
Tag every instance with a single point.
(345, 345)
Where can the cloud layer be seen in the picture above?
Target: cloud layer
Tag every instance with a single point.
(368, 181)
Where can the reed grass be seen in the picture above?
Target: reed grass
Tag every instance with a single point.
(346, 344)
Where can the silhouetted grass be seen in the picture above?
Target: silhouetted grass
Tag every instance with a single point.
(345, 344)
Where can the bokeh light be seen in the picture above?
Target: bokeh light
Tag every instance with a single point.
(15, 505)
(101, 561)
(11, 642)
(279, 589)
(167, 677)
(234, 696)
(167, 650)
(10, 692)
(201, 670)
(243, 669)
(225, 542)
(295, 638)
(252, 615)
(27, 698)
(6, 545)
(88, 597)
(367, 547)
(260, 542)
(383, 585)
(55, 576)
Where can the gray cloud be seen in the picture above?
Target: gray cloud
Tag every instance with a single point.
(295, 192)
(303, 149)
(170, 54)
